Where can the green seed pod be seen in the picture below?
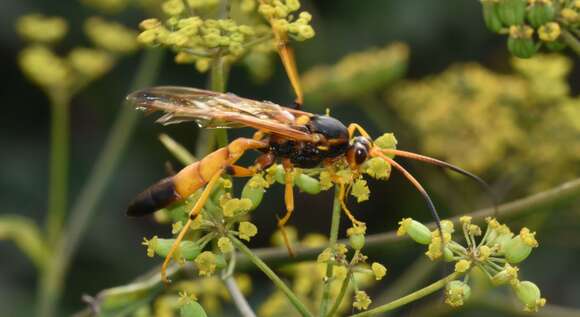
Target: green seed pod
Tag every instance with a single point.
(419, 232)
(512, 12)
(529, 294)
(357, 241)
(189, 250)
(447, 255)
(508, 274)
(522, 47)
(491, 15)
(517, 250)
(502, 240)
(192, 309)
(255, 194)
(308, 184)
(540, 13)
(279, 174)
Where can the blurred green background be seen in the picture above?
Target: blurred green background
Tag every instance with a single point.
(438, 34)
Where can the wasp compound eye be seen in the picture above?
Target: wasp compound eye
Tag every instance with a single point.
(360, 154)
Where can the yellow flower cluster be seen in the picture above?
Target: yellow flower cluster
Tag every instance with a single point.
(110, 36)
(355, 75)
(41, 29)
(279, 14)
(496, 114)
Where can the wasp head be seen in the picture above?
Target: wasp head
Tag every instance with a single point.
(358, 150)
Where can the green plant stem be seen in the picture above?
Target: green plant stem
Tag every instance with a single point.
(179, 151)
(571, 41)
(272, 276)
(411, 297)
(340, 296)
(334, 226)
(59, 164)
(217, 82)
(52, 278)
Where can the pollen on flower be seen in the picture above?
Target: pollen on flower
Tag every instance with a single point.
(462, 266)
(206, 263)
(356, 230)
(235, 206)
(225, 245)
(379, 270)
(361, 300)
(324, 256)
(465, 219)
(151, 244)
(176, 227)
(484, 253)
(247, 230)
(403, 225)
(377, 168)
(549, 32)
(360, 190)
(325, 180)
(528, 237)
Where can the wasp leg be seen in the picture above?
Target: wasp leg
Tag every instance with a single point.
(356, 127)
(287, 56)
(289, 202)
(342, 198)
(194, 212)
(240, 171)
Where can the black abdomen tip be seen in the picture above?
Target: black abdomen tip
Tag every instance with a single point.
(158, 196)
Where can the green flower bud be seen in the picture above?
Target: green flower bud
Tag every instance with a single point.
(187, 250)
(529, 294)
(540, 13)
(508, 275)
(491, 15)
(357, 241)
(520, 42)
(456, 293)
(448, 255)
(254, 194)
(279, 174)
(520, 247)
(308, 184)
(416, 230)
(512, 12)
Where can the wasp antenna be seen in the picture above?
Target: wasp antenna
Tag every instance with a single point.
(421, 190)
(457, 169)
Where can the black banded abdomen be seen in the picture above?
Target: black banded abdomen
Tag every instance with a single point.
(157, 196)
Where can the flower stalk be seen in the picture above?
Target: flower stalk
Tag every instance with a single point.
(334, 226)
(410, 297)
(294, 300)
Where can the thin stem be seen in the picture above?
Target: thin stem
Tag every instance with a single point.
(340, 296)
(334, 226)
(179, 151)
(571, 40)
(59, 165)
(238, 297)
(302, 309)
(411, 297)
(52, 279)
(217, 82)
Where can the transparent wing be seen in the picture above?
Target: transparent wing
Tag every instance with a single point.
(216, 110)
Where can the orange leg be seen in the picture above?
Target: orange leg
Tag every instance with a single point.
(342, 198)
(289, 202)
(355, 127)
(194, 212)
